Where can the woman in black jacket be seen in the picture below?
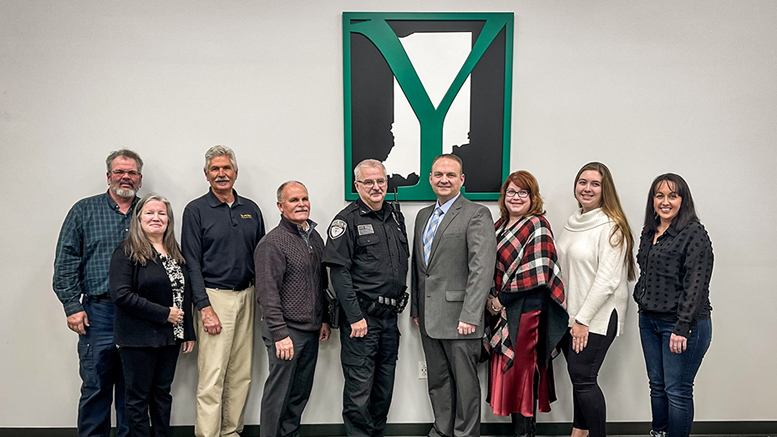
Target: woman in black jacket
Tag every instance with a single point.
(673, 294)
(152, 294)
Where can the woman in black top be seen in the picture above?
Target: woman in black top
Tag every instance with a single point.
(672, 292)
(152, 294)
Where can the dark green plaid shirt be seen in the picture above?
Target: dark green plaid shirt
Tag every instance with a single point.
(92, 230)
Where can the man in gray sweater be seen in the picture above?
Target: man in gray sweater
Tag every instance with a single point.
(290, 287)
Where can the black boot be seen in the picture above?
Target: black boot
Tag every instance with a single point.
(523, 426)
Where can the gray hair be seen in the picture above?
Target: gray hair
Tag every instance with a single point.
(370, 163)
(219, 151)
(124, 153)
(136, 245)
(279, 193)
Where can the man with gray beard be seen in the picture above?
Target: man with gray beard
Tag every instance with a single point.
(92, 230)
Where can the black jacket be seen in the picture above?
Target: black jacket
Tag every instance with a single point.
(143, 297)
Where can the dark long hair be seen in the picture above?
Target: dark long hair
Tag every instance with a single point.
(687, 213)
(611, 206)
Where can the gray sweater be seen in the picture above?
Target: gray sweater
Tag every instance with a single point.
(290, 280)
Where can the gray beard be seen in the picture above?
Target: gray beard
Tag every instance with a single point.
(123, 193)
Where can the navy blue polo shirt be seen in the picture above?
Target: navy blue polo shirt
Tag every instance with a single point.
(218, 242)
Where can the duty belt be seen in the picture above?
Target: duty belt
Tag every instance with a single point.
(383, 306)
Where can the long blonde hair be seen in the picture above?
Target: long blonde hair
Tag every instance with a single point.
(611, 206)
(138, 247)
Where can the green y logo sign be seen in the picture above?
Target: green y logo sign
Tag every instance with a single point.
(417, 85)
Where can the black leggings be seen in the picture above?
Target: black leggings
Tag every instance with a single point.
(583, 367)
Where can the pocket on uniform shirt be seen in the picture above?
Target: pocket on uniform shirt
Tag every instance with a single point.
(403, 243)
(369, 243)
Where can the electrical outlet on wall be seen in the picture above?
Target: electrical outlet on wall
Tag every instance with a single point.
(422, 372)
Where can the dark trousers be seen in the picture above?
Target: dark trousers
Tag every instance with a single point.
(101, 374)
(583, 367)
(288, 385)
(454, 388)
(671, 375)
(149, 374)
(369, 364)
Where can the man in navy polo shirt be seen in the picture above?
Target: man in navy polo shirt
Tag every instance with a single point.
(219, 234)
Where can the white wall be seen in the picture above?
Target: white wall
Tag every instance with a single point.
(646, 87)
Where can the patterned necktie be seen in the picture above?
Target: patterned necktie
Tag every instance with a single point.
(429, 233)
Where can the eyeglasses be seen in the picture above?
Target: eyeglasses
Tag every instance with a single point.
(369, 182)
(121, 173)
(523, 194)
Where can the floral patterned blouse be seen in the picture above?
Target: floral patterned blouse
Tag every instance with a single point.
(175, 274)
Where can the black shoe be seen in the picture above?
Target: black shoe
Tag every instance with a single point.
(523, 426)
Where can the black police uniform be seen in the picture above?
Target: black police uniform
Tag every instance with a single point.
(367, 253)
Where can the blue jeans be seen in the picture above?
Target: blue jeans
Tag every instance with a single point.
(671, 375)
(100, 370)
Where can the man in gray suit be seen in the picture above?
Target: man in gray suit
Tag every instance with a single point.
(454, 254)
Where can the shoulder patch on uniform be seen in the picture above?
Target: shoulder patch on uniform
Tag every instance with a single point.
(337, 229)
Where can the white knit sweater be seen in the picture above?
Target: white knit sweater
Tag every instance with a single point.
(594, 272)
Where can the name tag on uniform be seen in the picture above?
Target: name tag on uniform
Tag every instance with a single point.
(365, 229)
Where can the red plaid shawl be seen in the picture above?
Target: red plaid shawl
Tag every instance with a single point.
(526, 259)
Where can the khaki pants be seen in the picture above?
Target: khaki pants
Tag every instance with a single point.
(224, 364)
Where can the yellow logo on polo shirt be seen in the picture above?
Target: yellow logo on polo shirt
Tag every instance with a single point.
(245, 216)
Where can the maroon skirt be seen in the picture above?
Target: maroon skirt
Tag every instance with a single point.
(513, 391)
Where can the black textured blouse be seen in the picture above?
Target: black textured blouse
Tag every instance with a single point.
(674, 278)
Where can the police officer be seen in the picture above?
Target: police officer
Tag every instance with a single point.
(367, 254)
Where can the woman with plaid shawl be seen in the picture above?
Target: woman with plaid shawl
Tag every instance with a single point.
(527, 307)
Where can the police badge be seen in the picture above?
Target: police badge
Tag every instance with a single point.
(337, 229)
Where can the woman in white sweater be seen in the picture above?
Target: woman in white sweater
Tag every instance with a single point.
(595, 253)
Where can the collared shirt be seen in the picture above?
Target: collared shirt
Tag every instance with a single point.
(444, 207)
(92, 230)
(305, 233)
(372, 246)
(218, 242)
(674, 277)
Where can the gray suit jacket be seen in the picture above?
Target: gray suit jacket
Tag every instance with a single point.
(455, 284)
